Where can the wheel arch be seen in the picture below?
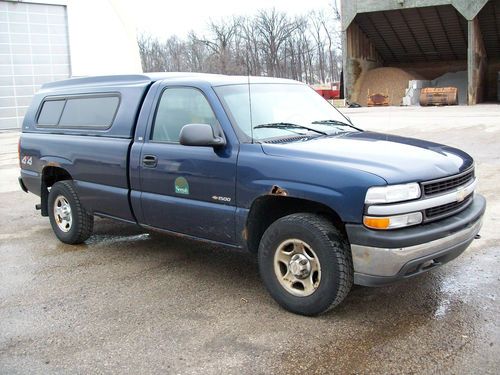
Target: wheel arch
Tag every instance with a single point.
(50, 175)
(265, 210)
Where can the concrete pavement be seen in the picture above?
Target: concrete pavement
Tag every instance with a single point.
(129, 301)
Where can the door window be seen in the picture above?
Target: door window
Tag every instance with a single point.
(178, 107)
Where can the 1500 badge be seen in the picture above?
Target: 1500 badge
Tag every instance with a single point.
(221, 199)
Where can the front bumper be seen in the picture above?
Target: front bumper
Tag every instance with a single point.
(383, 257)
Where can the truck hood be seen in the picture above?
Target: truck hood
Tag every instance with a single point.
(393, 158)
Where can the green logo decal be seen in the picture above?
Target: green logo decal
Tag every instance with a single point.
(181, 186)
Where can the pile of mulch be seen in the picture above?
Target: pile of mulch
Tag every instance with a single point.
(392, 82)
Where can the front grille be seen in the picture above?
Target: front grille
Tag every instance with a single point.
(448, 209)
(446, 184)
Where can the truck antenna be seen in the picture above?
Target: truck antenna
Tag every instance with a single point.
(249, 98)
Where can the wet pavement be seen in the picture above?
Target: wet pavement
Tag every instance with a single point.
(129, 301)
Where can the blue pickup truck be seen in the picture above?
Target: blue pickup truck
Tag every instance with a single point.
(257, 163)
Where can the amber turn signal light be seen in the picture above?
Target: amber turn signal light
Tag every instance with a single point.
(377, 222)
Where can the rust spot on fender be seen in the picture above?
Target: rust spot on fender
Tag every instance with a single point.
(276, 190)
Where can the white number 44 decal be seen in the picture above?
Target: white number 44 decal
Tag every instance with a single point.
(27, 160)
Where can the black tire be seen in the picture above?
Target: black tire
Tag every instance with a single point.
(332, 251)
(82, 223)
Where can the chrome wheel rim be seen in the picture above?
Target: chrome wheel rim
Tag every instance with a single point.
(297, 267)
(62, 213)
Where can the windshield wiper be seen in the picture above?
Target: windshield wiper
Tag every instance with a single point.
(334, 122)
(287, 125)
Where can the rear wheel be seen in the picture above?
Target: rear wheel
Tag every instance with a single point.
(71, 223)
(305, 263)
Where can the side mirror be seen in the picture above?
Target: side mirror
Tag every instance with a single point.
(200, 135)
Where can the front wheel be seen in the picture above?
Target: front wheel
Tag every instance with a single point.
(71, 223)
(305, 263)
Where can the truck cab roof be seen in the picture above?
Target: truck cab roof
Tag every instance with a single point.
(126, 92)
(134, 79)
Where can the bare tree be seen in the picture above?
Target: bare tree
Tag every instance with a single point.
(196, 53)
(305, 48)
(317, 32)
(152, 53)
(331, 24)
(274, 28)
(252, 46)
(220, 43)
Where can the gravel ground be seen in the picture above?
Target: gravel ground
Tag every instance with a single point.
(132, 302)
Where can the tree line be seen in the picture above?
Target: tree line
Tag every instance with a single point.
(269, 43)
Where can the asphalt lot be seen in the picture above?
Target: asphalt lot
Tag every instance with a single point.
(132, 302)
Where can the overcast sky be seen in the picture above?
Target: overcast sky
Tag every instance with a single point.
(163, 18)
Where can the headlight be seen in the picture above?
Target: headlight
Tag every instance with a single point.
(392, 193)
(393, 222)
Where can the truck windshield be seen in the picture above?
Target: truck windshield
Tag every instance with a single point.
(281, 110)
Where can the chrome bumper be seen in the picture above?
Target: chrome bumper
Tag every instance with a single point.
(381, 258)
(388, 262)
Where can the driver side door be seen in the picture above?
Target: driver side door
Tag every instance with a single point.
(187, 189)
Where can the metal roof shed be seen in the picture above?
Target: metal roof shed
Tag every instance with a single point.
(430, 37)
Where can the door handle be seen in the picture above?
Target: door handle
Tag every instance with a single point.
(150, 161)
